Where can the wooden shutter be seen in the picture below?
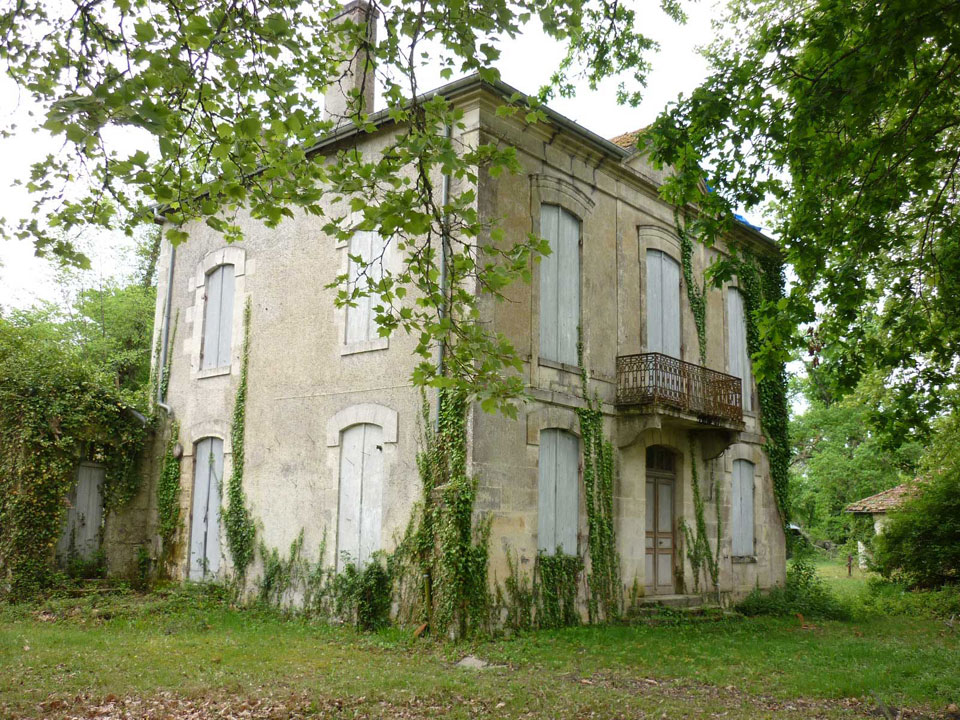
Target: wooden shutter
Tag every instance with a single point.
(742, 501)
(560, 285)
(217, 318)
(81, 533)
(663, 304)
(558, 493)
(361, 494)
(738, 355)
(205, 521)
(361, 324)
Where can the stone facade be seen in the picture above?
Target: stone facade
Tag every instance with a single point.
(306, 387)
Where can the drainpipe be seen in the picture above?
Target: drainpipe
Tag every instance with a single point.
(165, 331)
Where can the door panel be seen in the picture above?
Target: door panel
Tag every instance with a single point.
(660, 541)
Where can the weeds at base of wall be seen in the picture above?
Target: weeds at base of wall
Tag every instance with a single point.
(556, 585)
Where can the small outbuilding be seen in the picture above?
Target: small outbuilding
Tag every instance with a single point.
(878, 506)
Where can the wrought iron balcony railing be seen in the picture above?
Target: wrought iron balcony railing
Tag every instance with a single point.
(655, 379)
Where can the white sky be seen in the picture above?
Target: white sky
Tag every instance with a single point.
(526, 64)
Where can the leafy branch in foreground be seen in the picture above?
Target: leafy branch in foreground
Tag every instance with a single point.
(229, 102)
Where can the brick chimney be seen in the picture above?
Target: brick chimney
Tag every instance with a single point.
(353, 75)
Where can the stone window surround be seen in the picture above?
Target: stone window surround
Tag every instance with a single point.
(551, 190)
(230, 255)
(340, 314)
(359, 414)
(199, 431)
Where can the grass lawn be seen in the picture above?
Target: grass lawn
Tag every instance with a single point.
(184, 655)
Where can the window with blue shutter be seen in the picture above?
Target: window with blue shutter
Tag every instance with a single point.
(215, 351)
(663, 304)
(742, 524)
(560, 285)
(558, 494)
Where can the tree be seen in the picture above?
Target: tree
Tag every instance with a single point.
(921, 540)
(846, 117)
(232, 97)
(840, 456)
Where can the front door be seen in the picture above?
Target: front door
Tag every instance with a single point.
(660, 540)
(205, 523)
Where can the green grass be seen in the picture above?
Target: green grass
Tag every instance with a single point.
(199, 650)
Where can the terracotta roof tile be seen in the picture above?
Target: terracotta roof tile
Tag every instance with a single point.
(628, 140)
(883, 501)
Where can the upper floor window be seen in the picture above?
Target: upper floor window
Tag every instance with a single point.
(558, 494)
(361, 323)
(215, 349)
(738, 355)
(560, 285)
(663, 304)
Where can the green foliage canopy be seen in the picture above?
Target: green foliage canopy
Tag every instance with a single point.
(845, 116)
(229, 101)
(921, 540)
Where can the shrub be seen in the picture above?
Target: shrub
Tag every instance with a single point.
(804, 592)
(920, 545)
(364, 596)
(883, 597)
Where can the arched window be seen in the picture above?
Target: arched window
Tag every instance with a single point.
(559, 496)
(742, 520)
(663, 304)
(205, 520)
(738, 354)
(361, 493)
(215, 348)
(559, 285)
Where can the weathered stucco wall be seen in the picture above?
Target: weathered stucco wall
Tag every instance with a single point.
(302, 386)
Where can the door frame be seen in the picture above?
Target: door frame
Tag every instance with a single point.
(656, 476)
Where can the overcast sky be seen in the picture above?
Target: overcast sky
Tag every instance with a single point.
(526, 64)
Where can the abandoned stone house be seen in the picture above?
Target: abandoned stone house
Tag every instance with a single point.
(331, 416)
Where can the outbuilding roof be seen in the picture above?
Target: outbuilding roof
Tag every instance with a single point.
(883, 501)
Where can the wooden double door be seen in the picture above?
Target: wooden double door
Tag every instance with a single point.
(660, 536)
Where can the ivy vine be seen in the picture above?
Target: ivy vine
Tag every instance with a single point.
(168, 491)
(696, 294)
(761, 282)
(238, 523)
(556, 579)
(52, 416)
(446, 549)
(603, 582)
(703, 560)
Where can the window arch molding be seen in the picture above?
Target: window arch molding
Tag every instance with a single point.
(551, 418)
(363, 413)
(549, 190)
(215, 258)
(207, 429)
